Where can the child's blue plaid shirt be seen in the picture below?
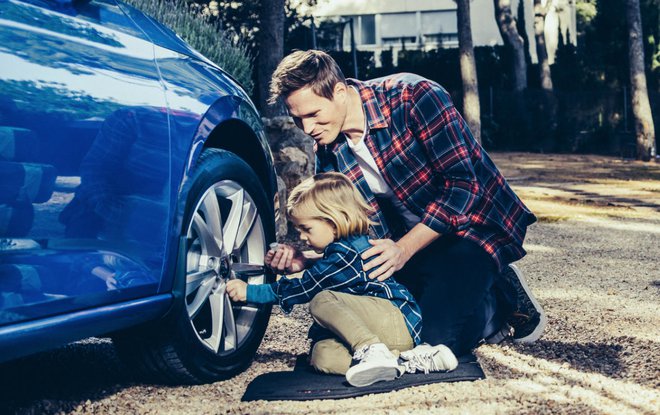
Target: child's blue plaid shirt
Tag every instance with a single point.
(341, 269)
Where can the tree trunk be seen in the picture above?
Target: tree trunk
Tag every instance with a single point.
(506, 23)
(471, 106)
(540, 11)
(521, 24)
(548, 109)
(644, 128)
(271, 52)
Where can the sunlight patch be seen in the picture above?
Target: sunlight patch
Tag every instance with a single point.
(540, 248)
(595, 390)
(646, 227)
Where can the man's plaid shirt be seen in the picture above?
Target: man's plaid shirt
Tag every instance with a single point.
(341, 269)
(427, 154)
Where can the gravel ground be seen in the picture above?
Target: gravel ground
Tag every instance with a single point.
(597, 277)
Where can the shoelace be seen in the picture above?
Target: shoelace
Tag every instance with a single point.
(423, 362)
(524, 306)
(367, 352)
(360, 353)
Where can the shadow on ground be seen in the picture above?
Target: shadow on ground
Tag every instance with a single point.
(66, 377)
(272, 355)
(617, 359)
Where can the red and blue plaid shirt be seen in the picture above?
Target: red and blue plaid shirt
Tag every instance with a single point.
(427, 154)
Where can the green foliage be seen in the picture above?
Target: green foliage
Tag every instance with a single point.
(241, 18)
(585, 11)
(602, 55)
(203, 34)
(365, 63)
(387, 60)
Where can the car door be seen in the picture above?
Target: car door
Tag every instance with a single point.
(84, 159)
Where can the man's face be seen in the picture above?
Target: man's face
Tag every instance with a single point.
(317, 116)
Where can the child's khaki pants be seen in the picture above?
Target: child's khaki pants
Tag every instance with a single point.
(357, 321)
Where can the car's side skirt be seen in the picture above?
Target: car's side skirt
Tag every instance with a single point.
(34, 336)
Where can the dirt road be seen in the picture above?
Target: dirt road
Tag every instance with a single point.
(592, 260)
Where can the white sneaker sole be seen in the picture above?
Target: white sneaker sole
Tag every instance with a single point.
(543, 320)
(363, 375)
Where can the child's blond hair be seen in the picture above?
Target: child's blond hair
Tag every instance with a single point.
(333, 198)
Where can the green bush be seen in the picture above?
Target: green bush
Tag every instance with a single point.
(205, 36)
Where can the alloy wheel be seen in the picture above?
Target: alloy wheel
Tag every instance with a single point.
(226, 240)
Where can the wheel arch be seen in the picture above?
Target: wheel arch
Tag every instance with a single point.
(231, 124)
(235, 136)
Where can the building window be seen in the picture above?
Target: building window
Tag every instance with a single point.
(395, 26)
(440, 27)
(367, 29)
(441, 38)
(399, 41)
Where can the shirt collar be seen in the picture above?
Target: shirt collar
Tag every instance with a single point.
(359, 242)
(373, 114)
(375, 118)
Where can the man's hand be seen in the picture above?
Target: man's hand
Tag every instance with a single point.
(237, 290)
(285, 259)
(391, 258)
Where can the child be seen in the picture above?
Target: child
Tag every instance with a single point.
(369, 321)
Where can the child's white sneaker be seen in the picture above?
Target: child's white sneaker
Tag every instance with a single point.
(373, 364)
(426, 358)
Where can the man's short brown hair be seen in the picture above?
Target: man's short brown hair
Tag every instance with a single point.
(313, 68)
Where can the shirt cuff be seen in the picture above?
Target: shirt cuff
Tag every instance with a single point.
(261, 294)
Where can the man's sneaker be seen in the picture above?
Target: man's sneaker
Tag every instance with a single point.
(373, 364)
(528, 320)
(504, 333)
(426, 358)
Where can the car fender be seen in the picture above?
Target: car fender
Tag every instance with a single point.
(232, 124)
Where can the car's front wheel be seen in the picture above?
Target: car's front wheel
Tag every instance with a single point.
(227, 225)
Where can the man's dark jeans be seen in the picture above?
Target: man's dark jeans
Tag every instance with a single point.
(455, 283)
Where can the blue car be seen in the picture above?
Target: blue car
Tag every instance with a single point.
(135, 181)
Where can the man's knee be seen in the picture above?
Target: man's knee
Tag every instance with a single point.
(320, 302)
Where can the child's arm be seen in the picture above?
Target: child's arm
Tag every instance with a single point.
(337, 271)
(285, 258)
(239, 290)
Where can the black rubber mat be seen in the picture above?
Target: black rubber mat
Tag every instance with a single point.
(303, 383)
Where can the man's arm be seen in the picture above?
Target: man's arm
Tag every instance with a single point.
(447, 142)
(449, 146)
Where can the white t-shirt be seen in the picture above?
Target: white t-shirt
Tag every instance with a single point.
(377, 183)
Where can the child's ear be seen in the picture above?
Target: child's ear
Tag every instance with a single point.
(334, 228)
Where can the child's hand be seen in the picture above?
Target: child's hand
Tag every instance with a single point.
(237, 290)
(285, 258)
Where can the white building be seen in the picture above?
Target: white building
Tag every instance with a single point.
(428, 24)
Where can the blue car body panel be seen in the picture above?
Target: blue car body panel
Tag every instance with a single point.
(29, 337)
(103, 114)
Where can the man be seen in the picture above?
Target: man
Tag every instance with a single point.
(447, 223)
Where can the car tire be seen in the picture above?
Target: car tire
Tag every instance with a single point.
(198, 343)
